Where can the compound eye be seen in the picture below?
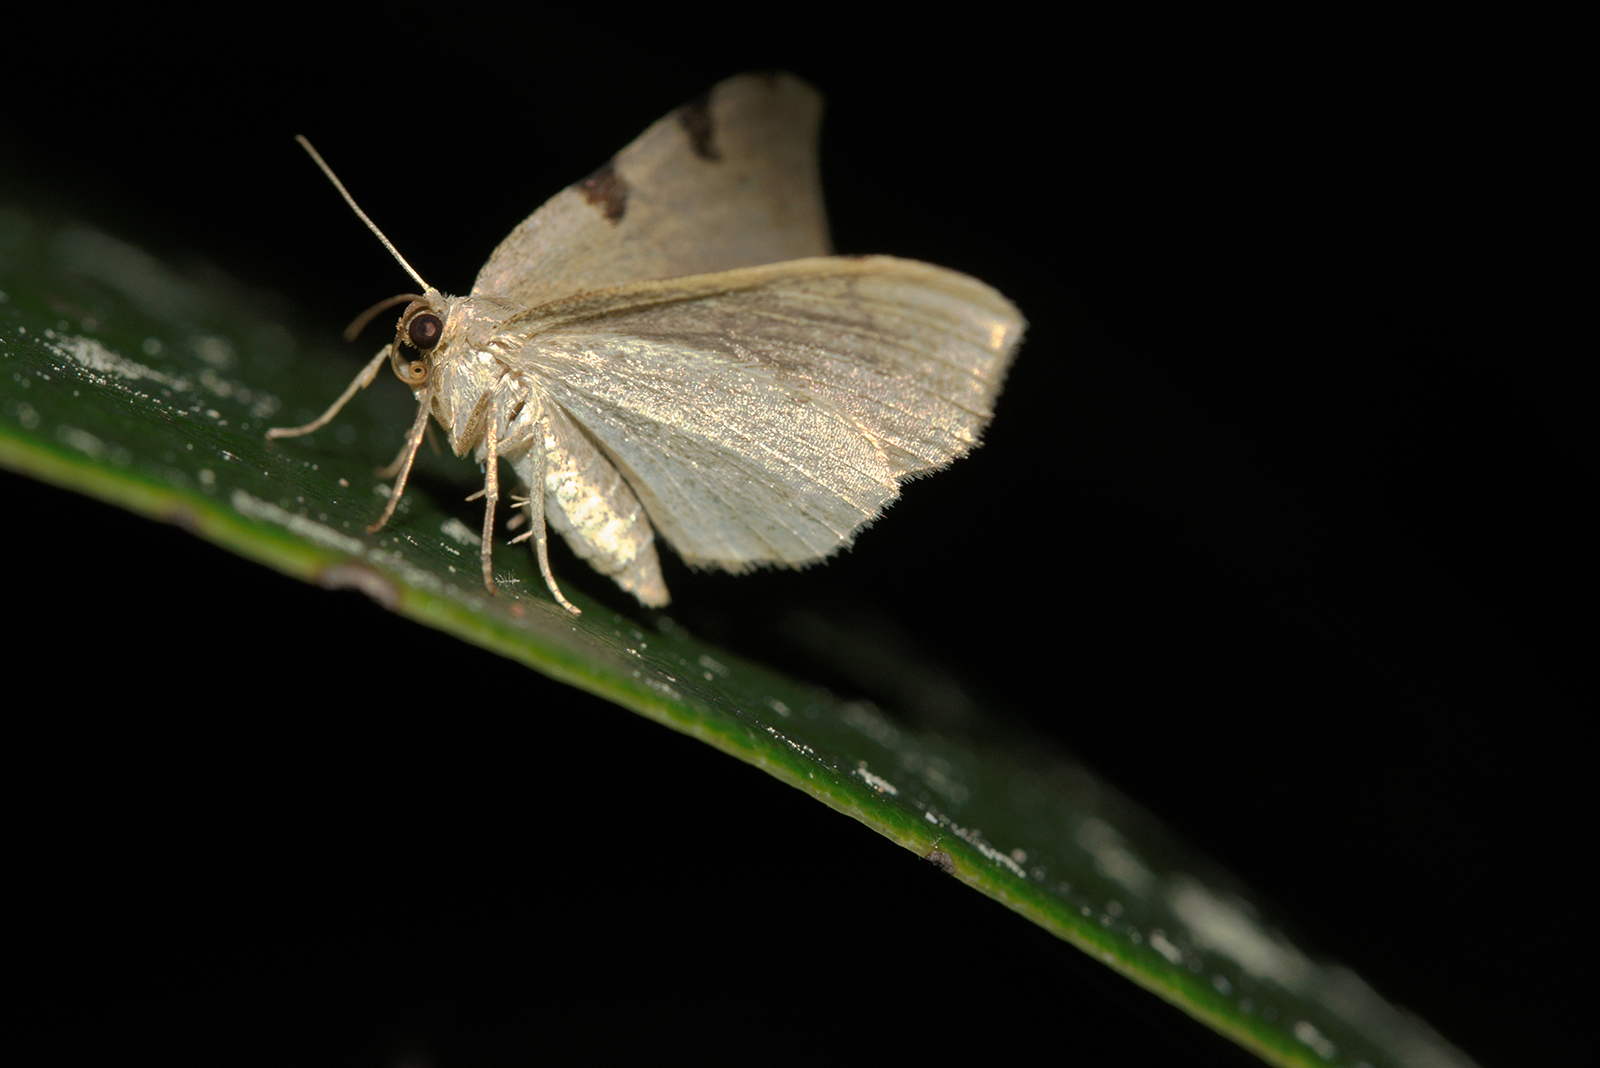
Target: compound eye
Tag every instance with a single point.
(424, 331)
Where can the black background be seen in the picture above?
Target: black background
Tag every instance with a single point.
(1276, 527)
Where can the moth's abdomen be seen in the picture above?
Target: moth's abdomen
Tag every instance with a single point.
(593, 508)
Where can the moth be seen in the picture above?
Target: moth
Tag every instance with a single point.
(668, 348)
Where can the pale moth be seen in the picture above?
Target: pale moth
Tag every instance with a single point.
(667, 347)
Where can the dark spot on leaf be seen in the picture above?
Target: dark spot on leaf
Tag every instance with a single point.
(942, 860)
(607, 190)
(695, 117)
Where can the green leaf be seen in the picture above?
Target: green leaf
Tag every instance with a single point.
(125, 380)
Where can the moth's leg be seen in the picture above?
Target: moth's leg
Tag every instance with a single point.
(392, 469)
(536, 531)
(408, 455)
(519, 518)
(362, 381)
(491, 492)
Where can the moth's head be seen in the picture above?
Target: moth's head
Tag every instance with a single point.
(418, 338)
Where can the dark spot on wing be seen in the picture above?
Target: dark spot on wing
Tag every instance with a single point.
(606, 190)
(695, 118)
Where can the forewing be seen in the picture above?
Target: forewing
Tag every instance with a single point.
(766, 414)
(729, 179)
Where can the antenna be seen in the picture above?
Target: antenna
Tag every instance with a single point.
(350, 200)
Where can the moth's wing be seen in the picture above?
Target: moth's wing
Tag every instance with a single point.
(588, 503)
(766, 414)
(729, 179)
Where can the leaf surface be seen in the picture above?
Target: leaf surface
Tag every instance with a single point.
(129, 382)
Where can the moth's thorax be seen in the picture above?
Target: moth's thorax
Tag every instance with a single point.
(473, 323)
(470, 378)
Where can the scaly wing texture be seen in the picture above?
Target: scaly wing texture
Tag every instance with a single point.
(764, 415)
(590, 505)
(729, 179)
